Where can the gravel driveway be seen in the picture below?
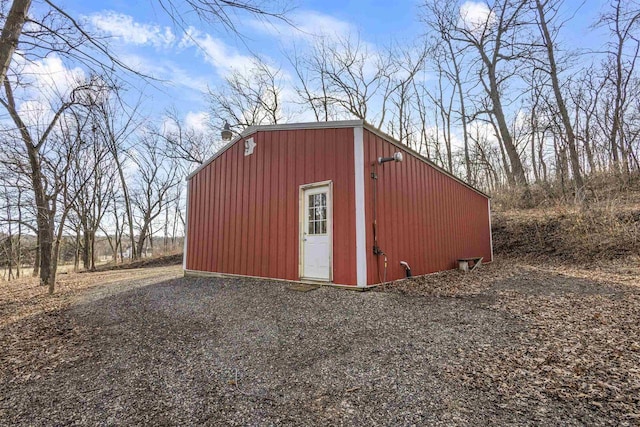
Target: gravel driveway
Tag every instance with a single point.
(247, 352)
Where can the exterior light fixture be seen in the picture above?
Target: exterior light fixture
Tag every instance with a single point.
(397, 157)
(226, 132)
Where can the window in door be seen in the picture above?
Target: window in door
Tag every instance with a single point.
(317, 213)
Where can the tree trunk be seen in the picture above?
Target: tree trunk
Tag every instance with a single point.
(43, 222)
(36, 258)
(463, 113)
(142, 237)
(9, 244)
(505, 135)
(86, 245)
(127, 203)
(587, 144)
(92, 244)
(54, 258)
(564, 114)
(505, 164)
(11, 34)
(543, 164)
(19, 242)
(76, 255)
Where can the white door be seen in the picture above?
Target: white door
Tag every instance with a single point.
(315, 234)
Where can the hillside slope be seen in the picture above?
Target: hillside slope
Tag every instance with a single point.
(596, 232)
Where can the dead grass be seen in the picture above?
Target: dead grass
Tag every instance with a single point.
(452, 283)
(50, 339)
(605, 231)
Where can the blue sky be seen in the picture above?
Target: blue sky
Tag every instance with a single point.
(145, 38)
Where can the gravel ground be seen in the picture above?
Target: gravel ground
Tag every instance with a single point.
(247, 352)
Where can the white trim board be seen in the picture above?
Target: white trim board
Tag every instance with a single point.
(186, 228)
(490, 231)
(361, 234)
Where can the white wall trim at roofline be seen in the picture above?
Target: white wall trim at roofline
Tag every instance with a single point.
(361, 234)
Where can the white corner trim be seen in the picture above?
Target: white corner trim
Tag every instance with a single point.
(186, 228)
(490, 232)
(361, 235)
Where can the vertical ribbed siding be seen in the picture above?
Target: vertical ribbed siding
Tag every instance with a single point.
(244, 210)
(425, 217)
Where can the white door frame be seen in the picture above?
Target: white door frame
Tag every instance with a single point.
(301, 217)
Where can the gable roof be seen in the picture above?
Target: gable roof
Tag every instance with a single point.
(332, 125)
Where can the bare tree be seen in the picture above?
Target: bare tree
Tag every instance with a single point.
(623, 22)
(312, 85)
(440, 17)
(115, 123)
(34, 144)
(157, 178)
(94, 175)
(495, 41)
(249, 97)
(544, 8)
(352, 76)
(401, 90)
(187, 144)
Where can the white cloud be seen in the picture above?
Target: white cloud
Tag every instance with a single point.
(46, 83)
(197, 121)
(483, 131)
(215, 52)
(168, 71)
(307, 24)
(51, 76)
(218, 54)
(129, 31)
(475, 16)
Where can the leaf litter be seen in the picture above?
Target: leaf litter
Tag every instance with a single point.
(582, 339)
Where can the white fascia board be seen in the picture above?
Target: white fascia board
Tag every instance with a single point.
(361, 234)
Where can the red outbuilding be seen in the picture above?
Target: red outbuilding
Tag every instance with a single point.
(334, 202)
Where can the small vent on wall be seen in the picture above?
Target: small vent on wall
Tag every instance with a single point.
(249, 146)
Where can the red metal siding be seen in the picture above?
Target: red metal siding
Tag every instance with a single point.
(425, 217)
(243, 210)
